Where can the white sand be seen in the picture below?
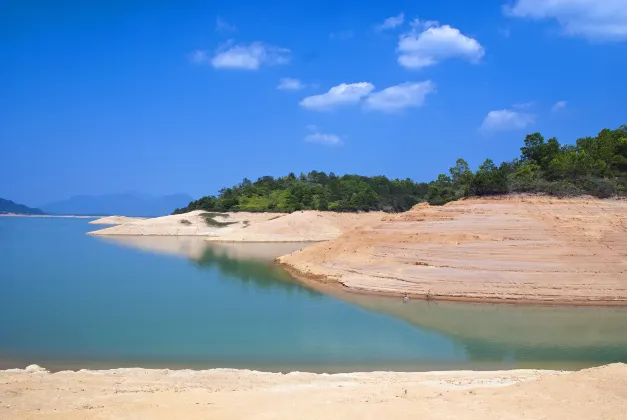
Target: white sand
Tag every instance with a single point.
(306, 226)
(138, 394)
(188, 224)
(115, 220)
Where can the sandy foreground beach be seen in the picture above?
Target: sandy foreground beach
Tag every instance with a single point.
(597, 393)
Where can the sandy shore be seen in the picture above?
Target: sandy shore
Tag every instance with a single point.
(188, 224)
(116, 220)
(305, 226)
(598, 393)
(513, 249)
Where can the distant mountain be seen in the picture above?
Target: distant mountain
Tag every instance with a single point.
(126, 204)
(8, 206)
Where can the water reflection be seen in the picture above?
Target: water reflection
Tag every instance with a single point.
(250, 263)
(194, 247)
(558, 336)
(250, 270)
(490, 335)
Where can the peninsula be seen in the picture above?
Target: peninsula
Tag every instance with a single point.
(548, 227)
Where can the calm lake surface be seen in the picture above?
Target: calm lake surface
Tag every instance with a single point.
(70, 300)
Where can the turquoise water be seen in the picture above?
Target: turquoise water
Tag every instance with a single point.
(72, 300)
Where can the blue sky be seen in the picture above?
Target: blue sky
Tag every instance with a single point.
(157, 97)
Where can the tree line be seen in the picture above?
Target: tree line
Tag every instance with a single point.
(593, 165)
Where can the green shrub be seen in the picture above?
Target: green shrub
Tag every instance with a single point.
(210, 221)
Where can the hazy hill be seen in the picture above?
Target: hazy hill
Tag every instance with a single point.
(126, 204)
(8, 206)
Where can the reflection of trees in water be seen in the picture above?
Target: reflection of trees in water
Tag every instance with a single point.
(488, 334)
(248, 271)
(485, 351)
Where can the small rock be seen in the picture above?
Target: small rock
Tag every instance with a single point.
(35, 369)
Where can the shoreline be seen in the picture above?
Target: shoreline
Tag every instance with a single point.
(56, 216)
(516, 250)
(323, 282)
(522, 373)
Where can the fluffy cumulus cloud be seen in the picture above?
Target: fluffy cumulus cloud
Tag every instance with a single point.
(249, 57)
(506, 120)
(559, 105)
(337, 96)
(396, 98)
(594, 19)
(391, 22)
(429, 43)
(287, 83)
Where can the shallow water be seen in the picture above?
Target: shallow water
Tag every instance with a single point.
(71, 300)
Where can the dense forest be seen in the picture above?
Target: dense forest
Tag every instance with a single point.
(593, 165)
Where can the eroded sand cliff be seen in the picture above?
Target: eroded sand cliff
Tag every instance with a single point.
(536, 249)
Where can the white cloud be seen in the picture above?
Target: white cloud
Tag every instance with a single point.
(391, 22)
(506, 119)
(287, 83)
(423, 24)
(594, 19)
(223, 26)
(396, 98)
(249, 57)
(429, 43)
(324, 138)
(559, 105)
(344, 94)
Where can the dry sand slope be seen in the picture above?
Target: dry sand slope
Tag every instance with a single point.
(138, 394)
(304, 226)
(509, 249)
(188, 224)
